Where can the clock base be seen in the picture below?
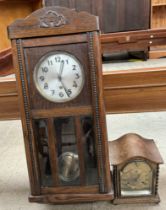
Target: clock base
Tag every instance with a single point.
(137, 200)
(70, 198)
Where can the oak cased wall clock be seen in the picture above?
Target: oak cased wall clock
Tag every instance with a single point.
(59, 75)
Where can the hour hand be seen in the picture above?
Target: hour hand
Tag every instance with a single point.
(61, 68)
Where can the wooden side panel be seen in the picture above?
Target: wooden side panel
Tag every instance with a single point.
(99, 113)
(30, 144)
(158, 20)
(158, 16)
(125, 15)
(114, 15)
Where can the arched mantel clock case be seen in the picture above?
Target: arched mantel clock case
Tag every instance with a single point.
(58, 69)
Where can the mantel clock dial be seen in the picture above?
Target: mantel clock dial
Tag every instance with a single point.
(136, 179)
(59, 77)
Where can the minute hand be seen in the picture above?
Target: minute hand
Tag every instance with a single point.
(66, 90)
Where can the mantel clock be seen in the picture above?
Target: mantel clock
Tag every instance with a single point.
(58, 68)
(135, 166)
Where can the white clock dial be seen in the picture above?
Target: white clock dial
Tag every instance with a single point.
(59, 77)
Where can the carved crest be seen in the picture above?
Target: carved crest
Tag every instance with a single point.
(52, 19)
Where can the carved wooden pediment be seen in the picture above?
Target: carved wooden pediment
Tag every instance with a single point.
(56, 19)
(52, 19)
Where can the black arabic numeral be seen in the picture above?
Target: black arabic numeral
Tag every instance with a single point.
(74, 67)
(50, 63)
(42, 78)
(75, 84)
(58, 59)
(77, 76)
(45, 69)
(53, 92)
(61, 94)
(69, 92)
(46, 86)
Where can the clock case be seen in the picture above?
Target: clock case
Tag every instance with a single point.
(128, 149)
(61, 29)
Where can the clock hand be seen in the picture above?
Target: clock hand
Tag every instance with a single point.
(60, 78)
(61, 68)
(63, 85)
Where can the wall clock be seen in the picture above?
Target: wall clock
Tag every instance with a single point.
(59, 77)
(135, 169)
(58, 67)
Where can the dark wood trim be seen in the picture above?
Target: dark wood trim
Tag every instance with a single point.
(72, 20)
(139, 200)
(80, 146)
(84, 110)
(99, 113)
(71, 198)
(76, 189)
(35, 42)
(52, 150)
(30, 145)
(133, 40)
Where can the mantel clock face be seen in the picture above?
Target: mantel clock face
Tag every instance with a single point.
(136, 179)
(59, 76)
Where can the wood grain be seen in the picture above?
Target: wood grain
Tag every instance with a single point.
(70, 198)
(126, 91)
(158, 20)
(67, 23)
(128, 149)
(21, 29)
(132, 146)
(114, 15)
(9, 12)
(132, 41)
(52, 141)
(158, 16)
(6, 63)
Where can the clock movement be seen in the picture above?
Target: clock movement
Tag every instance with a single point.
(56, 53)
(135, 161)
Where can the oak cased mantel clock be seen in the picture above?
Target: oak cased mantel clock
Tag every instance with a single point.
(135, 161)
(58, 68)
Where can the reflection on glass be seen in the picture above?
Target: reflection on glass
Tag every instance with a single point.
(136, 179)
(69, 169)
(68, 159)
(91, 173)
(44, 160)
(75, 156)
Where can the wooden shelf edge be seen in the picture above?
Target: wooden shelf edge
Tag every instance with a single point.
(145, 92)
(159, 5)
